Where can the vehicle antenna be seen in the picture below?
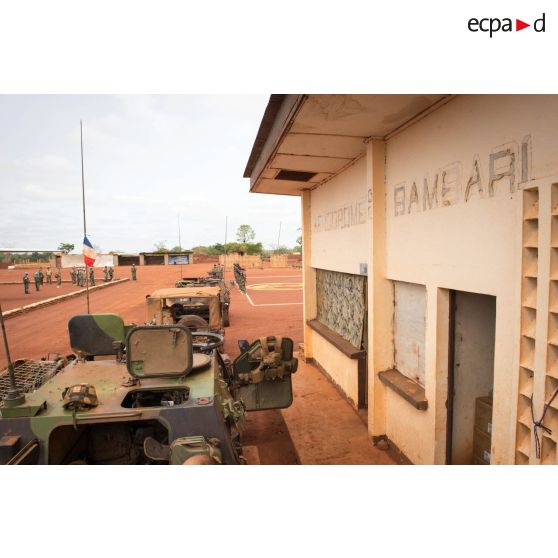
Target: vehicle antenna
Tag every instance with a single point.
(14, 396)
(180, 245)
(84, 221)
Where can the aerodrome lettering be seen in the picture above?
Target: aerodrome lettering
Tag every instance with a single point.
(448, 186)
(349, 215)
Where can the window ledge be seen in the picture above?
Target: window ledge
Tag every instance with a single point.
(410, 390)
(336, 340)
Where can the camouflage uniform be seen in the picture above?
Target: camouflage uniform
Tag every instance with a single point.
(240, 276)
(105, 273)
(58, 277)
(41, 275)
(111, 273)
(49, 276)
(26, 282)
(73, 275)
(92, 277)
(37, 278)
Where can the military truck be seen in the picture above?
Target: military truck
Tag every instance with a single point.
(144, 395)
(200, 308)
(225, 295)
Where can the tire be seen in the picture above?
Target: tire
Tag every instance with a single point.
(194, 323)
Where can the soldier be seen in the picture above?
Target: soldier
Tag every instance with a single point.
(133, 272)
(41, 275)
(58, 277)
(49, 276)
(92, 276)
(111, 273)
(105, 273)
(37, 278)
(78, 277)
(73, 275)
(26, 282)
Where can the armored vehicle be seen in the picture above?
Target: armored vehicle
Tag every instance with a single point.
(225, 295)
(144, 395)
(200, 308)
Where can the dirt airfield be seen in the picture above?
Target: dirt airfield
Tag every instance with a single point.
(319, 428)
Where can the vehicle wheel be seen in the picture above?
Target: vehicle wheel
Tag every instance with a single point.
(194, 323)
(226, 320)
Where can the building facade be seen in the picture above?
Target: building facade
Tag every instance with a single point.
(430, 263)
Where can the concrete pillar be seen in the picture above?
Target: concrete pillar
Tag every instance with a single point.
(380, 291)
(141, 259)
(308, 273)
(166, 259)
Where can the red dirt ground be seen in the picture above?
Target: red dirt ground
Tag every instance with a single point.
(36, 333)
(323, 426)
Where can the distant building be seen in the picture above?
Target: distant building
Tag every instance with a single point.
(165, 258)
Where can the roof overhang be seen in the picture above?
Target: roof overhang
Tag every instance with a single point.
(305, 140)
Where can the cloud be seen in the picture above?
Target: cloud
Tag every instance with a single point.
(148, 159)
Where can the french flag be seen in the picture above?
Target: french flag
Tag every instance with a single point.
(89, 253)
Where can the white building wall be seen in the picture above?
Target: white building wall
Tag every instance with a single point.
(340, 217)
(480, 151)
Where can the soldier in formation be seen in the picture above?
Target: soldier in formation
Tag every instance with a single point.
(58, 277)
(73, 275)
(26, 282)
(134, 272)
(92, 276)
(240, 277)
(37, 277)
(49, 276)
(41, 276)
(111, 273)
(105, 273)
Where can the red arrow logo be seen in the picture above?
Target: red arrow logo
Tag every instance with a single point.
(519, 25)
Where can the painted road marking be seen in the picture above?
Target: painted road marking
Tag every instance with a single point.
(274, 304)
(275, 287)
(274, 277)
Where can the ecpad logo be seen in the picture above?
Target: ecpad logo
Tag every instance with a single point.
(493, 25)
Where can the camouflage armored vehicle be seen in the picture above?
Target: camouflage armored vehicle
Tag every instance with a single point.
(225, 295)
(146, 395)
(200, 308)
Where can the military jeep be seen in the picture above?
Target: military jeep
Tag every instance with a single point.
(225, 295)
(198, 308)
(154, 396)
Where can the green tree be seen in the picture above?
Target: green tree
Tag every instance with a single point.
(245, 233)
(177, 249)
(160, 246)
(281, 250)
(65, 247)
(254, 248)
(200, 249)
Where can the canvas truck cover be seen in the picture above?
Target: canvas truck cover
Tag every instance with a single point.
(211, 294)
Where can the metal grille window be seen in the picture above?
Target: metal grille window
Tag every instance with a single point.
(341, 303)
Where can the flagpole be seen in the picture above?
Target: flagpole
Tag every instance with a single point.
(84, 220)
(180, 246)
(225, 246)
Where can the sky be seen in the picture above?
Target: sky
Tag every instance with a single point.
(148, 161)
